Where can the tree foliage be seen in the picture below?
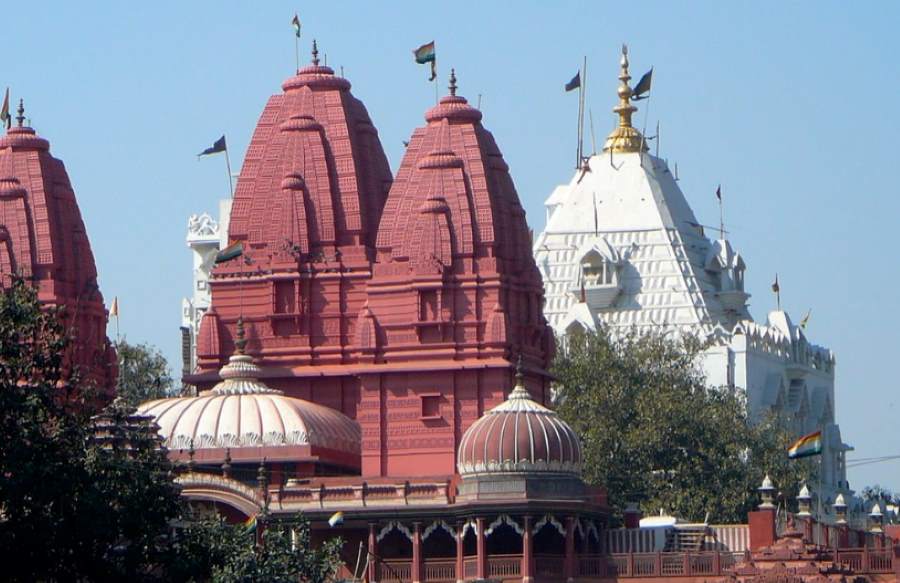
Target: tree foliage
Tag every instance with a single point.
(208, 549)
(144, 373)
(92, 497)
(653, 432)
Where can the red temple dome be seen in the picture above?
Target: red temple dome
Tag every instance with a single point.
(42, 238)
(519, 435)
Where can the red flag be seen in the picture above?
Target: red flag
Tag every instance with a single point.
(4, 111)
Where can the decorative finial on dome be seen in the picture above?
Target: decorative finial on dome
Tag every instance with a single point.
(262, 476)
(453, 82)
(20, 118)
(241, 342)
(519, 392)
(315, 53)
(625, 138)
(191, 452)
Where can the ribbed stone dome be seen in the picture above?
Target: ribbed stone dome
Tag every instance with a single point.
(241, 411)
(519, 435)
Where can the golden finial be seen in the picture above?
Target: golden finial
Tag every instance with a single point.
(625, 138)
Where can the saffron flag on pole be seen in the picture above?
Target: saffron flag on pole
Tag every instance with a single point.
(426, 54)
(236, 249)
(643, 86)
(806, 446)
(575, 83)
(4, 111)
(114, 308)
(218, 146)
(296, 25)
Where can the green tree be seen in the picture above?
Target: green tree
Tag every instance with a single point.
(90, 496)
(208, 549)
(655, 434)
(144, 373)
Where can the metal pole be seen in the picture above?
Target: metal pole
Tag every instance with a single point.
(228, 167)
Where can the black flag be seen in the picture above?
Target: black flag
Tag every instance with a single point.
(575, 83)
(217, 147)
(643, 86)
(719, 193)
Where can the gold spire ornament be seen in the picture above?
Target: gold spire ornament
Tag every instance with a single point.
(625, 138)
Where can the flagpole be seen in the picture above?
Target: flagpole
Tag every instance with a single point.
(582, 93)
(593, 138)
(297, 52)
(228, 167)
(721, 217)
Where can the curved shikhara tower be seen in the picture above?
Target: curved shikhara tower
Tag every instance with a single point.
(307, 205)
(42, 238)
(623, 249)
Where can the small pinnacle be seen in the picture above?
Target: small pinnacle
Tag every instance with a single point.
(520, 370)
(453, 82)
(315, 53)
(241, 342)
(21, 111)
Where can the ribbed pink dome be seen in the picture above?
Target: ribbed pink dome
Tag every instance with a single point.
(519, 435)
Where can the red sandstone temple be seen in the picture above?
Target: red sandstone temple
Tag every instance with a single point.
(379, 350)
(42, 239)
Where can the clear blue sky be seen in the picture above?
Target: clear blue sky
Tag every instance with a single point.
(791, 106)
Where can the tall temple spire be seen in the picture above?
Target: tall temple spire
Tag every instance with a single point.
(625, 138)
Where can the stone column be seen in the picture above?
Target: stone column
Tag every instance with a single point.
(417, 553)
(570, 549)
(527, 552)
(372, 554)
(482, 550)
(460, 552)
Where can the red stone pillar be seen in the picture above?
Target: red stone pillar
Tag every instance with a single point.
(762, 528)
(570, 549)
(372, 554)
(527, 552)
(417, 553)
(482, 550)
(460, 552)
(843, 536)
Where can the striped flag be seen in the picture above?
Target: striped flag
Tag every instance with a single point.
(336, 519)
(806, 446)
(250, 524)
(426, 54)
(4, 111)
(296, 24)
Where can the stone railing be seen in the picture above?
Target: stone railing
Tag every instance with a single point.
(439, 570)
(667, 565)
(866, 560)
(394, 570)
(500, 566)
